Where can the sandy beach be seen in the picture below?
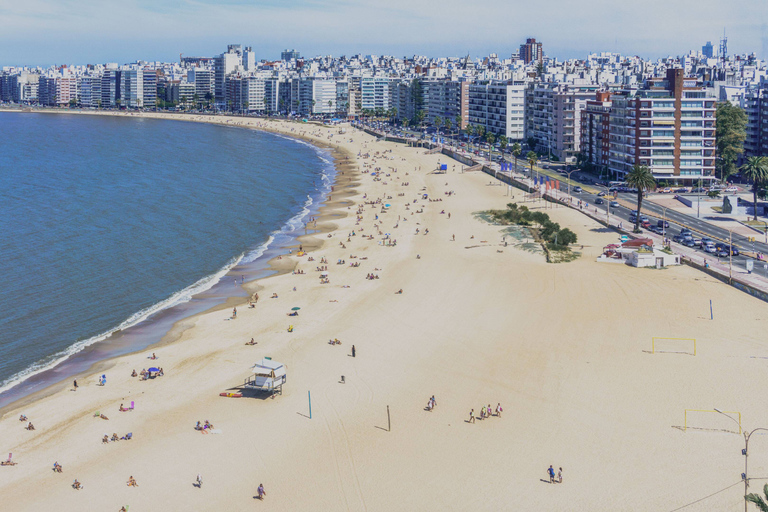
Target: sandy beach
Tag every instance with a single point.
(564, 348)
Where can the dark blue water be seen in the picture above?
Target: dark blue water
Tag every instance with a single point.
(108, 221)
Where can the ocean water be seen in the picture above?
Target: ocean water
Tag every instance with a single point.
(112, 223)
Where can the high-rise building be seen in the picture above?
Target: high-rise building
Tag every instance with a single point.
(667, 125)
(708, 50)
(90, 91)
(374, 92)
(448, 99)
(132, 88)
(756, 109)
(203, 79)
(499, 108)
(249, 59)
(110, 88)
(531, 51)
(553, 117)
(289, 55)
(595, 130)
(223, 65)
(149, 84)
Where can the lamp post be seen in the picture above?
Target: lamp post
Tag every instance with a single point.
(730, 256)
(698, 200)
(569, 182)
(664, 221)
(744, 452)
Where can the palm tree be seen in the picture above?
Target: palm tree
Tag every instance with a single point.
(490, 138)
(458, 121)
(448, 126)
(758, 500)
(503, 142)
(330, 105)
(756, 169)
(516, 152)
(438, 122)
(641, 178)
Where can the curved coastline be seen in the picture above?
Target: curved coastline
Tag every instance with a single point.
(253, 261)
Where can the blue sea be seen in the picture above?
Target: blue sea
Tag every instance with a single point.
(113, 227)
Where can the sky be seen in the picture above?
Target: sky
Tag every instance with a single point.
(52, 32)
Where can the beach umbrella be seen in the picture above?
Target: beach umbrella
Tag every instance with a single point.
(386, 206)
(154, 369)
(295, 309)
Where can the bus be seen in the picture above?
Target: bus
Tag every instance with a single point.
(617, 184)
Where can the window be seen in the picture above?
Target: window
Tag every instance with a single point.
(663, 133)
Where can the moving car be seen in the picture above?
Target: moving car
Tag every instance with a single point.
(577, 189)
(662, 223)
(599, 201)
(615, 204)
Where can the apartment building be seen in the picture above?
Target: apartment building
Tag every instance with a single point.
(448, 99)
(755, 106)
(110, 88)
(375, 92)
(667, 125)
(224, 65)
(595, 130)
(499, 108)
(90, 91)
(553, 117)
(204, 80)
(531, 51)
(131, 88)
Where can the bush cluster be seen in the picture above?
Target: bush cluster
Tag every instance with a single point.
(550, 232)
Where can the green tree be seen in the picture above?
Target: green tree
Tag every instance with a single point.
(516, 152)
(330, 104)
(531, 142)
(641, 178)
(539, 69)
(438, 122)
(532, 158)
(756, 170)
(458, 120)
(503, 142)
(730, 133)
(758, 500)
(490, 138)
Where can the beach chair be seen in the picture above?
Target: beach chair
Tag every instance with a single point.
(127, 436)
(131, 404)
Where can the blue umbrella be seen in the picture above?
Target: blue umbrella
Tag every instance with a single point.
(154, 369)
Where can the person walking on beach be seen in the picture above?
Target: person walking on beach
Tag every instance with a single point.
(560, 475)
(551, 473)
(471, 416)
(199, 481)
(261, 492)
(234, 313)
(353, 351)
(75, 384)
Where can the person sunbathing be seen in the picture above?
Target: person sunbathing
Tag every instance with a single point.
(134, 374)
(77, 485)
(8, 462)
(105, 439)
(115, 437)
(57, 467)
(103, 417)
(22, 418)
(122, 409)
(274, 296)
(132, 482)
(30, 426)
(198, 426)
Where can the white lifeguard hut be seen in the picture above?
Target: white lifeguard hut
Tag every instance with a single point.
(268, 376)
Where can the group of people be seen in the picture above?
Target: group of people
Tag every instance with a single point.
(29, 426)
(371, 277)
(485, 412)
(204, 426)
(552, 478)
(106, 439)
(431, 403)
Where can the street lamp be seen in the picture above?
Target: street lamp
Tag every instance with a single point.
(730, 256)
(744, 452)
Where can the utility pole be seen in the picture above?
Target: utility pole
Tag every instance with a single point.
(730, 256)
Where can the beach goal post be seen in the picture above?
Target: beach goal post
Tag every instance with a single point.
(673, 346)
(712, 420)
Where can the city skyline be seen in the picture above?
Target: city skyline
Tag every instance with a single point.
(55, 33)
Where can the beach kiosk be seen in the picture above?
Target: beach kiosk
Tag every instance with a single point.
(268, 375)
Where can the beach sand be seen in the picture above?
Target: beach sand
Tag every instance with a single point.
(564, 348)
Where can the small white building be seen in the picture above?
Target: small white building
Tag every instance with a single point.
(267, 376)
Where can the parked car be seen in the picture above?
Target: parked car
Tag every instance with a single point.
(662, 223)
(665, 190)
(689, 242)
(735, 250)
(646, 224)
(709, 247)
(732, 189)
(686, 231)
(659, 230)
(678, 238)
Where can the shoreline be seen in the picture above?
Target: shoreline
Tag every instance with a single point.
(177, 329)
(480, 321)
